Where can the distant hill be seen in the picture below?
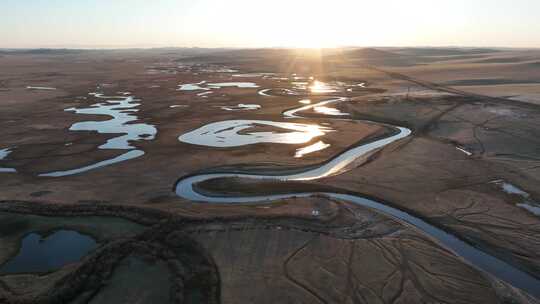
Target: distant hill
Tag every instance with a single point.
(164, 50)
(502, 60)
(242, 53)
(41, 51)
(413, 51)
(372, 53)
(379, 57)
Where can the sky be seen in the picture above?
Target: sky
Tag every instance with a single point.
(273, 23)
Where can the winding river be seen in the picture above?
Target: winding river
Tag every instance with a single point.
(186, 188)
(122, 112)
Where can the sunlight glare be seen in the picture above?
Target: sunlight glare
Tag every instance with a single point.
(320, 87)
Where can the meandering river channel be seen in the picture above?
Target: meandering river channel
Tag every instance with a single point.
(186, 188)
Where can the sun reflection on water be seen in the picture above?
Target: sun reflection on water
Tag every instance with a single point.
(318, 146)
(319, 87)
(234, 133)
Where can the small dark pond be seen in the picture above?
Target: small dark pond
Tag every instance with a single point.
(44, 254)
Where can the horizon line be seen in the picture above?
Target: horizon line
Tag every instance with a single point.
(89, 48)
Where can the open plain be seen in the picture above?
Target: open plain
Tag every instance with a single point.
(354, 175)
